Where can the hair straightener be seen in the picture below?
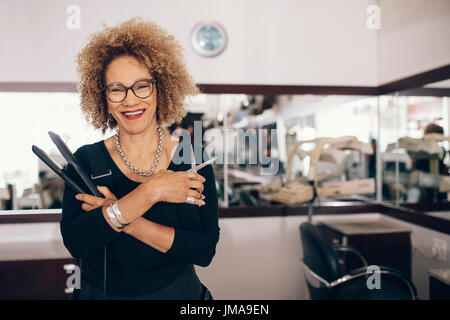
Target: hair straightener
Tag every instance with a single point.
(71, 160)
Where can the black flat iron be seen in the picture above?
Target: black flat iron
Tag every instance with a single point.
(71, 160)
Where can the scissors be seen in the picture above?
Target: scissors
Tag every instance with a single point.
(71, 160)
(195, 167)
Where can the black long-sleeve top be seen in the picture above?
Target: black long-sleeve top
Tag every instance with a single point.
(134, 268)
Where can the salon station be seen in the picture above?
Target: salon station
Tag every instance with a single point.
(330, 124)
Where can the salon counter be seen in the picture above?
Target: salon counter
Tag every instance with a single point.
(33, 250)
(34, 262)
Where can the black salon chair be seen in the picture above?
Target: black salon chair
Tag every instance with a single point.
(326, 281)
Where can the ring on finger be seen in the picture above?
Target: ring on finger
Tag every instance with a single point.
(190, 199)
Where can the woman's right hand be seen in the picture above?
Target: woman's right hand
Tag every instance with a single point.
(176, 186)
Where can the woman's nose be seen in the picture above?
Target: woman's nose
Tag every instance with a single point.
(130, 99)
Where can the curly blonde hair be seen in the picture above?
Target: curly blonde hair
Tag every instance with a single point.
(152, 46)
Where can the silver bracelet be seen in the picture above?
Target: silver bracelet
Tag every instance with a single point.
(112, 217)
(118, 214)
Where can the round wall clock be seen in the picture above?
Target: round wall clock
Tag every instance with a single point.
(208, 38)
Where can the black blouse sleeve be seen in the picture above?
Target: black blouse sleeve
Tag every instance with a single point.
(200, 247)
(83, 232)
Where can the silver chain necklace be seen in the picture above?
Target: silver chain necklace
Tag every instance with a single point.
(130, 165)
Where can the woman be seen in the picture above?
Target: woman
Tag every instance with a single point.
(156, 220)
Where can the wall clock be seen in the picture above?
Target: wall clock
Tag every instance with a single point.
(208, 38)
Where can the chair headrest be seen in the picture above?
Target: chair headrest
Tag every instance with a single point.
(318, 253)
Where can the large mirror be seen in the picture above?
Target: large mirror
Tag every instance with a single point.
(271, 149)
(252, 135)
(415, 126)
(414, 141)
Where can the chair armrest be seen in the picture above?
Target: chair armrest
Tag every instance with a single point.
(362, 272)
(347, 248)
(318, 278)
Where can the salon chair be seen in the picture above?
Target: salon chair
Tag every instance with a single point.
(326, 281)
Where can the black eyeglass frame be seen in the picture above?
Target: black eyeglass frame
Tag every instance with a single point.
(105, 88)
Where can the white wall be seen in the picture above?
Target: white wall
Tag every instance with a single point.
(414, 37)
(300, 42)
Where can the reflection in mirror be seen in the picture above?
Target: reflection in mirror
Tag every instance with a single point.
(269, 127)
(257, 133)
(25, 182)
(414, 144)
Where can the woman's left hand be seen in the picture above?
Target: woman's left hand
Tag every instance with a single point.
(92, 202)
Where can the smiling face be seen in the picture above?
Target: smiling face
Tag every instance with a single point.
(133, 115)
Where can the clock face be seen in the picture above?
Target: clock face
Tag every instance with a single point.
(208, 38)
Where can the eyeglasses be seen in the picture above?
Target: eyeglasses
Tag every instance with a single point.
(117, 92)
